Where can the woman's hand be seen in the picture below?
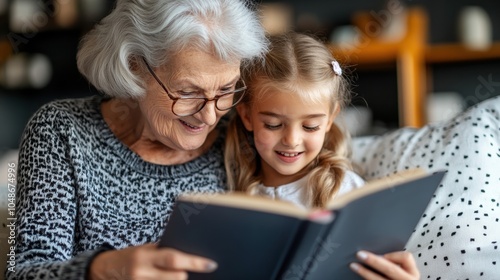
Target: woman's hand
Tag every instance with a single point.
(147, 262)
(397, 265)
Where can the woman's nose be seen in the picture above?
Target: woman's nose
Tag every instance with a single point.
(208, 115)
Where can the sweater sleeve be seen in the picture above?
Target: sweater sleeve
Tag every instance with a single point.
(46, 204)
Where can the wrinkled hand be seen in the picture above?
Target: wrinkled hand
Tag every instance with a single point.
(147, 262)
(396, 266)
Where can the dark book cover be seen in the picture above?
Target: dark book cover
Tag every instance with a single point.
(382, 222)
(246, 244)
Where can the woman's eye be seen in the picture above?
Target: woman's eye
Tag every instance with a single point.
(188, 94)
(226, 90)
(272, 126)
(311, 128)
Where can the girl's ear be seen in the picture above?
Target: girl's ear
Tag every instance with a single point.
(333, 116)
(245, 115)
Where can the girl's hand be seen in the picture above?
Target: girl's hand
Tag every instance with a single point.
(147, 262)
(397, 265)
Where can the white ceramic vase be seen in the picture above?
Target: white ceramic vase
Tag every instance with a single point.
(475, 30)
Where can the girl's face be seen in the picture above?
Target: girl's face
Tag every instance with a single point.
(288, 133)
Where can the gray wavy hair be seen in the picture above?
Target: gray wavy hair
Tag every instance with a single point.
(109, 54)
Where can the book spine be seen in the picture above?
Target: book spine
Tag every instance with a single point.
(302, 256)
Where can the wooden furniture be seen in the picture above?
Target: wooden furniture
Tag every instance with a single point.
(456, 52)
(5, 51)
(412, 54)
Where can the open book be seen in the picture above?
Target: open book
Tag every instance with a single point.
(259, 238)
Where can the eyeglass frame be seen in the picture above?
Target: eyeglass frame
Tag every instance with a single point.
(216, 98)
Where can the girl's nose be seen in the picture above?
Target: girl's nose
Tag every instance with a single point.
(291, 138)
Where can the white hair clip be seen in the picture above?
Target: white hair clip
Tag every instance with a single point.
(336, 68)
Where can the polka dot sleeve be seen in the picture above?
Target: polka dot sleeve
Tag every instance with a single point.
(459, 234)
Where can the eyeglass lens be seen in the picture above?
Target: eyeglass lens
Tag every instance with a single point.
(225, 101)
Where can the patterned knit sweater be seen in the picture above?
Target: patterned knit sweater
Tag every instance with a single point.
(81, 191)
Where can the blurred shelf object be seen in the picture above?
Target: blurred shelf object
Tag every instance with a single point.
(277, 18)
(66, 13)
(3, 7)
(32, 16)
(475, 28)
(93, 10)
(39, 47)
(23, 70)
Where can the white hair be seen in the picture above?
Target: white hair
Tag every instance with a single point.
(111, 52)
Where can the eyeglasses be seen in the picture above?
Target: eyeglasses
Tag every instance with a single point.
(183, 107)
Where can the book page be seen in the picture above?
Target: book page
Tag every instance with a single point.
(265, 204)
(245, 201)
(375, 186)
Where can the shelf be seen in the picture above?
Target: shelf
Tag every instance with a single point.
(411, 55)
(380, 52)
(459, 53)
(5, 51)
(408, 54)
(372, 54)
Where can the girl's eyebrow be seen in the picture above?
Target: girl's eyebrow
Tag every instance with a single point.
(275, 115)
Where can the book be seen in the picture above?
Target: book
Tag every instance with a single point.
(254, 237)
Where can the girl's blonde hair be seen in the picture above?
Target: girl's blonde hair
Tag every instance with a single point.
(301, 65)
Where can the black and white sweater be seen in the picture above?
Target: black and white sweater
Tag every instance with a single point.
(81, 191)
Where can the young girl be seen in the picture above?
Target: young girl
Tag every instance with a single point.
(283, 142)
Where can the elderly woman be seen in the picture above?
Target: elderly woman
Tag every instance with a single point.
(98, 176)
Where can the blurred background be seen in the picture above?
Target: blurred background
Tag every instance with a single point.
(410, 62)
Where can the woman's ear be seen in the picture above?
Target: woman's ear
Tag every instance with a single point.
(333, 116)
(245, 115)
(137, 66)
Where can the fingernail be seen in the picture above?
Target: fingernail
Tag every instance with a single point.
(354, 266)
(362, 255)
(211, 266)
